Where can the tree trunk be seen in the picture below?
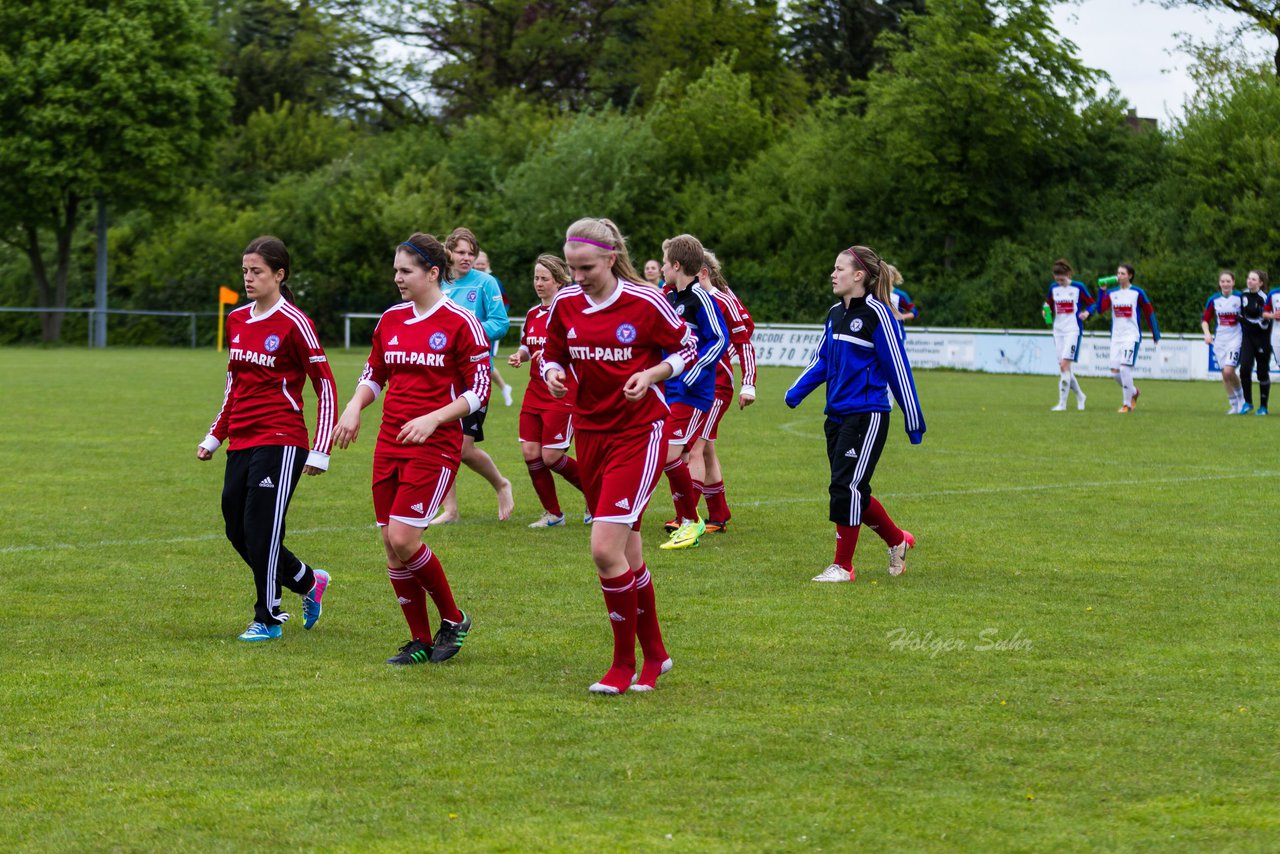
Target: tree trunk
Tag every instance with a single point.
(948, 247)
(53, 295)
(1276, 32)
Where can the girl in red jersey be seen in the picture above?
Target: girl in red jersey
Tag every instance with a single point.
(707, 474)
(545, 428)
(612, 332)
(273, 349)
(432, 357)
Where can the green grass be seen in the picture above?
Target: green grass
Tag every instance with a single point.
(1127, 562)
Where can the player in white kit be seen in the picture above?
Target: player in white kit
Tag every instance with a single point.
(1128, 304)
(1227, 338)
(1072, 305)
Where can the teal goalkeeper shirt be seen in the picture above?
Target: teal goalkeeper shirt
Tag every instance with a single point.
(478, 293)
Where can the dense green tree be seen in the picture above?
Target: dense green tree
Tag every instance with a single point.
(115, 101)
(833, 42)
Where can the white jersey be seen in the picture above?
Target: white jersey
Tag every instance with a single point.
(1225, 310)
(1128, 306)
(1068, 301)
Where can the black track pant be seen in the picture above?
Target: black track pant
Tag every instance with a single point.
(1256, 350)
(255, 498)
(854, 443)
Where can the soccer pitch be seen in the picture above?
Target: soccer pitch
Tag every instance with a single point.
(1083, 653)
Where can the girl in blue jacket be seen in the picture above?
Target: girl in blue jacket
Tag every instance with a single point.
(861, 357)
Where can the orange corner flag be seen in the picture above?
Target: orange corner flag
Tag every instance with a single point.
(226, 296)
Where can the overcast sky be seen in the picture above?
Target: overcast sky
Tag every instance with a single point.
(1136, 43)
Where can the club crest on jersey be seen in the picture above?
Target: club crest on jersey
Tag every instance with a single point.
(437, 340)
(626, 333)
(471, 297)
(680, 309)
(856, 325)
(271, 344)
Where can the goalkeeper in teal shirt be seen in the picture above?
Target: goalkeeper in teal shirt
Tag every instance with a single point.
(478, 293)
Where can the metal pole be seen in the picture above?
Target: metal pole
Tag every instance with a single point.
(100, 280)
(193, 330)
(346, 332)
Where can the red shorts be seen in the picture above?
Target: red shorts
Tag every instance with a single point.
(550, 428)
(409, 490)
(620, 470)
(684, 424)
(724, 400)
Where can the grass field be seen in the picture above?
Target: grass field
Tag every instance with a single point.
(1082, 654)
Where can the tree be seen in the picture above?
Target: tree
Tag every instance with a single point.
(1266, 16)
(116, 101)
(833, 42)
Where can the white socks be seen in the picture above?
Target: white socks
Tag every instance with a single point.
(1126, 382)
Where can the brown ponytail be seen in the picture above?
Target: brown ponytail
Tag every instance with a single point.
(878, 281)
(273, 251)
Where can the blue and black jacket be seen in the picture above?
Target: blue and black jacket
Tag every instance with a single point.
(862, 356)
(698, 309)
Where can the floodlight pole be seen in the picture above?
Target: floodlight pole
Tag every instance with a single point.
(100, 279)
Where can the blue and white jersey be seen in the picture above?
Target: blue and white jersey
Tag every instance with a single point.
(861, 358)
(1128, 306)
(698, 309)
(902, 303)
(479, 293)
(1273, 306)
(1067, 302)
(1225, 311)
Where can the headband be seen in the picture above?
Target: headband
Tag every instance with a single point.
(592, 242)
(422, 255)
(858, 258)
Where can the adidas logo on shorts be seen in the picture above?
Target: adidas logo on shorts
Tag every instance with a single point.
(267, 484)
(624, 504)
(416, 508)
(559, 435)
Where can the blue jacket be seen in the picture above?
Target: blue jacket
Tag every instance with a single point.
(861, 357)
(697, 385)
(479, 293)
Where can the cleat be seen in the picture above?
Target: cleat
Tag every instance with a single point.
(1246, 409)
(1262, 410)
(836, 573)
(311, 602)
(1133, 404)
(449, 638)
(714, 527)
(686, 536)
(414, 652)
(261, 632)
(1125, 408)
(615, 682)
(587, 517)
(898, 554)
(506, 395)
(1061, 407)
(1080, 398)
(647, 678)
(670, 525)
(548, 520)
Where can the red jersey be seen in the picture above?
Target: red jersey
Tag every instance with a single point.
(741, 328)
(270, 357)
(426, 361)
(604, 344)
(534, 337)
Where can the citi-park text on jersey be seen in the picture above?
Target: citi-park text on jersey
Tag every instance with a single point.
(606, 354)
(398, 357)
(240, 355)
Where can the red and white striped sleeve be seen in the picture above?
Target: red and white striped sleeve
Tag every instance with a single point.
(218, 429)
(317, 367)
(473, 360)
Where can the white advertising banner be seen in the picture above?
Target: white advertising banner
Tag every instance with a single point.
(1013, 351)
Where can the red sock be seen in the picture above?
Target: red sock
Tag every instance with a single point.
(620, 599)
(545, 485)
(717, 506)
(846, 542)
(647, 629)
(426, 567)
(567, 468)
(413, 602)
(878, 520)
(698, 491)
(682, 494)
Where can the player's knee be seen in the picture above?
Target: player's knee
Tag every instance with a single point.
(532, 451)
(551, 456)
